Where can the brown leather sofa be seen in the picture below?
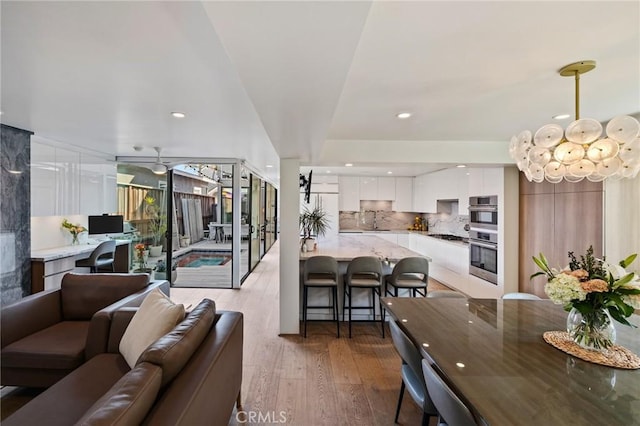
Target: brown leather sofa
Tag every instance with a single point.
(190, 376)
(47, 335)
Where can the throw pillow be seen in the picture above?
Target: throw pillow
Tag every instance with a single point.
(156, 317)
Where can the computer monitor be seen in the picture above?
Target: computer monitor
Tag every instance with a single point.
(105, 224)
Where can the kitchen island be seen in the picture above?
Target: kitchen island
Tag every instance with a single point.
(345, 247)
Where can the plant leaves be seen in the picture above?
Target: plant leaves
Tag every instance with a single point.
(629, 260)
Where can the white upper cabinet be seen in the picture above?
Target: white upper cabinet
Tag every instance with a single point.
(54, 181)
(404, 195)
(369, 188)
(463, 192)
(485, 181)
(97, 186)
(386, 188)
(349, 192)
(377, 188)
(65, 182)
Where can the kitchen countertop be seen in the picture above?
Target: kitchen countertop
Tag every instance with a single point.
(403, 231)
(56, 253)
(345, 247)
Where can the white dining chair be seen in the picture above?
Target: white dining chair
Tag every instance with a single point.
(522, 296)
(445, 293)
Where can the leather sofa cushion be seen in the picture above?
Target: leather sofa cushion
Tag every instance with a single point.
(60, 346)
(128, 401)
(173, 350)
(85, 294)
(67, 401)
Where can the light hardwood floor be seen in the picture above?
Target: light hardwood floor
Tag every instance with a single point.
(320, 380)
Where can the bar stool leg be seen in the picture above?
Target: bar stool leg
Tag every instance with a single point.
(304, 309)
(335, 308)
(382, 312)
(350, 291)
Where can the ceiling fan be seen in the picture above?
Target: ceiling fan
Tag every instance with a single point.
(158, 168)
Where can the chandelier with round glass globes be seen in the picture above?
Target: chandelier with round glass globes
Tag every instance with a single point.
(580, 151)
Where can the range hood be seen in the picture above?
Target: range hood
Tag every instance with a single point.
(447, 206)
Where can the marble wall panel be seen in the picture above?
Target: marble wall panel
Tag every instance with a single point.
(15, 213)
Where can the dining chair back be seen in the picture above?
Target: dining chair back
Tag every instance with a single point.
(451, 409)
(522, 296)
(411, 372)
(363, 272)
(446, 293)
(411, 273)
(101, 257)
(320, 272)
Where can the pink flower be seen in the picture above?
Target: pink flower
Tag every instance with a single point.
(595, 286)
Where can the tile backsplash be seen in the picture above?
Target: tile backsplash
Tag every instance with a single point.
(387, 219)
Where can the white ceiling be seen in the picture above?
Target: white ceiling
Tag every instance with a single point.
(319, 81)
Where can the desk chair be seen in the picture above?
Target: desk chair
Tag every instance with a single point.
(364, 272)
(411, 273)
(320, 272)
(451, 410)
(102, 256)
(411, 372)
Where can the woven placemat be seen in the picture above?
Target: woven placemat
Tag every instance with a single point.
(615, 356)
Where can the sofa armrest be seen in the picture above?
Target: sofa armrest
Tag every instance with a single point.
(209, 385)
(119, 323)
(99, 329)
(29, 315)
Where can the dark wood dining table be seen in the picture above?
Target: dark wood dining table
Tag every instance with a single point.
(492, 354)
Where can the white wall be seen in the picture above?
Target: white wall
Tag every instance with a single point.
(289, 246)
(622, 220)
(47, 231)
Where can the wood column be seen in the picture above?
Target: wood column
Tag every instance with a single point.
(556, 219)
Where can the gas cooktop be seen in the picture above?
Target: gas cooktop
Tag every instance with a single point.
(447, 237)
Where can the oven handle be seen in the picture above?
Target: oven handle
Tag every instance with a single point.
(483, 244)
(484, 208)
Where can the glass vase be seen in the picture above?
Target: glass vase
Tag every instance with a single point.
(594, 330)
(74, 240)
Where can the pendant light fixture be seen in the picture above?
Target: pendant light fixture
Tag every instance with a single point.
(580, 151)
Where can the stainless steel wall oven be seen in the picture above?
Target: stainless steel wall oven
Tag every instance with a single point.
(483, 212)
(483, 255)
(483, 237)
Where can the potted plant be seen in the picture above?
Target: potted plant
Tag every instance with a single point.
(313, 223)
(157, 225)
(160, 270)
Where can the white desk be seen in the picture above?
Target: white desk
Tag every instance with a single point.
(48, 266)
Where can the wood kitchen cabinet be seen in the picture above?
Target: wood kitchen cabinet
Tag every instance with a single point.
(556, 219)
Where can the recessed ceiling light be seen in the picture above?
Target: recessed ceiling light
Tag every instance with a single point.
(403, 115)
(328, 171)
(269, 166)
(389, 172)
(348, 165)
(461, 166)
(178, 114)
(560, 116)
